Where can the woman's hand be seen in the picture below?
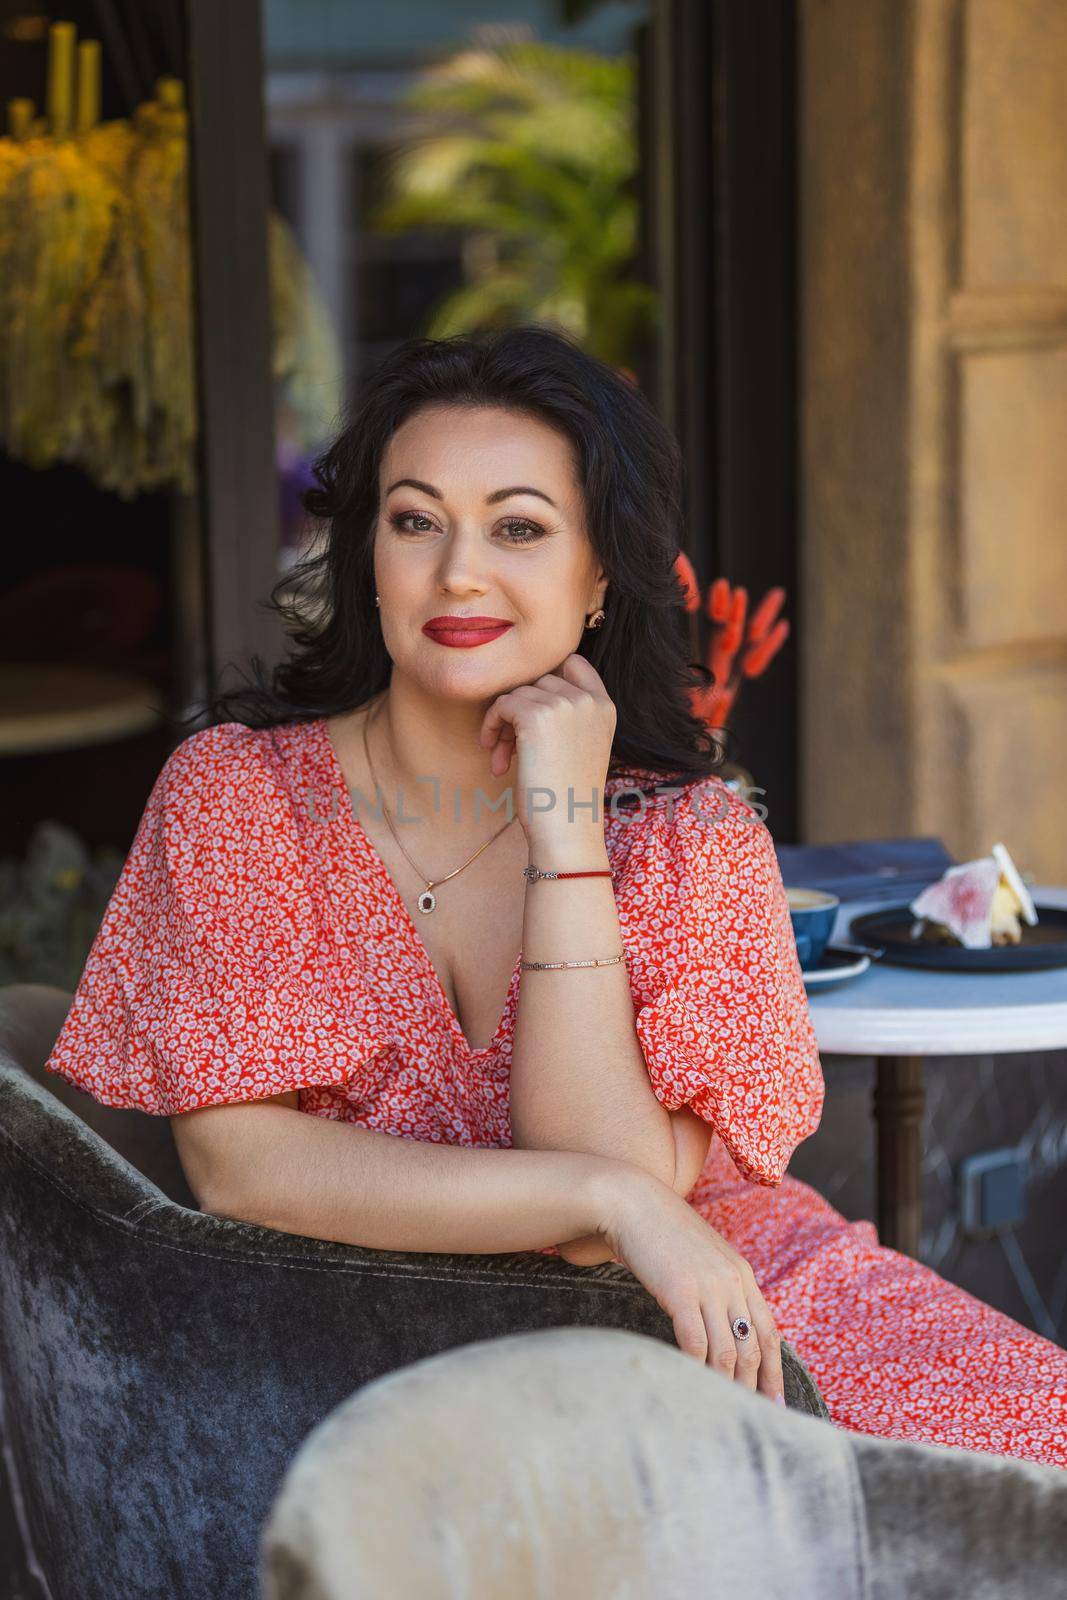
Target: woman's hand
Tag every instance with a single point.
(561, 726)
(699, 1279)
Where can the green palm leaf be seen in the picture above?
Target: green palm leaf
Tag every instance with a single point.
(530, 151)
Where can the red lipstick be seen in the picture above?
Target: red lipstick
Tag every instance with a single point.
(463, 633)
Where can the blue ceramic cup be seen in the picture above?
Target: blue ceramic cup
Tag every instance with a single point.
(812, 913)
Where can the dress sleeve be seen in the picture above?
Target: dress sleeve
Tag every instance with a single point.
(210, 979)
(728, 1031)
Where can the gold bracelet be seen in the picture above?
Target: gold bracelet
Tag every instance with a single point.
(554, 966)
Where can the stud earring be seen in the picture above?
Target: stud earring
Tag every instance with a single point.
(596, 620)
(377, 600)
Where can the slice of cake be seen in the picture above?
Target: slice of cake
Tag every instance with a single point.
(976, 904)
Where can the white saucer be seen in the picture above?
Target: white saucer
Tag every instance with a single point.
(835, 966)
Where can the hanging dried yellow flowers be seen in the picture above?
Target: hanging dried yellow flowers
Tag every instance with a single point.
(96, 293)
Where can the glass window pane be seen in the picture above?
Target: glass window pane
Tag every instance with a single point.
(443, 169)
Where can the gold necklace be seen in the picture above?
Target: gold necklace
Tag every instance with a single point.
(427, 899)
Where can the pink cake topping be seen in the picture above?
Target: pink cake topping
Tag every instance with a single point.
(963, 901)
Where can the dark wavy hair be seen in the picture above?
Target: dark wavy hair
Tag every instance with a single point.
(631, 477)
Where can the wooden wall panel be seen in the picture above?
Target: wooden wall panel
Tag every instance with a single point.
(934, 384)
(1013, 495)
(1013, 156)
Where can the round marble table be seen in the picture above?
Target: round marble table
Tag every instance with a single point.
(899, 1015)
(48, 705)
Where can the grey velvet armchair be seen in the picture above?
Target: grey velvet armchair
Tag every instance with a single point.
(160, 1366)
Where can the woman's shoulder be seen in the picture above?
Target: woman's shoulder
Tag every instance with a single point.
(226, 750)
(231, 760)
(230, 795)
(684, 802)
(693, 825)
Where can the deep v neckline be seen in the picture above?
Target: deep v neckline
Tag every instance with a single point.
(361, 841)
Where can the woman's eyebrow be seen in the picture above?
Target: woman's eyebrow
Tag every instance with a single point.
(490, 499)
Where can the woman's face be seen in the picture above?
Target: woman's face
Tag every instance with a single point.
(480, 515)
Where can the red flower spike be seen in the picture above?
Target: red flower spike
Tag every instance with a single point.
(684, 568)
(757, 659)
(718, 602)
(739, 647)
(717, 710)
(720, 659)
(765, 614)
(734, 630)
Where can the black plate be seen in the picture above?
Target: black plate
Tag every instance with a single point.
(888, 930)
(833, 957)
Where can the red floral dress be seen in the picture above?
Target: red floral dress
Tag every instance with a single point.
(255, 943)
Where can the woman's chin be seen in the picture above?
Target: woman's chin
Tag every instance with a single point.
(467, 681)
(478, 674)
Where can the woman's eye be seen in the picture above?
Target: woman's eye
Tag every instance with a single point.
(408, 516)
(519, 531)
(524, 532)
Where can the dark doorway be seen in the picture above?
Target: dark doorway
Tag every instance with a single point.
(719, 116)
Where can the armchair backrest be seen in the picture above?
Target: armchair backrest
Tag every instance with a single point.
(31, 1015)
(160, 1366)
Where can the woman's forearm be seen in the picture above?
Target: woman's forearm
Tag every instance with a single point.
(578, 1076)
(308, 1175)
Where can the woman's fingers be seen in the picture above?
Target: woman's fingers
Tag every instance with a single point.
(558, 730)
(700, 1280)
(502, 751)
(577, 670)
(705, 1331)
(690, 1334)
(749, 1354)
(509, 706)
(499, 730)
(550, 690)
(746, 1364)
(722, 1346)
(771, 1378)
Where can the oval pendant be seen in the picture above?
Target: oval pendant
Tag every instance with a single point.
(426, 901)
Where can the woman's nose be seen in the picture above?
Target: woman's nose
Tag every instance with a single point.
(463, 561)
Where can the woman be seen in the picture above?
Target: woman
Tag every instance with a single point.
(581, 1027)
